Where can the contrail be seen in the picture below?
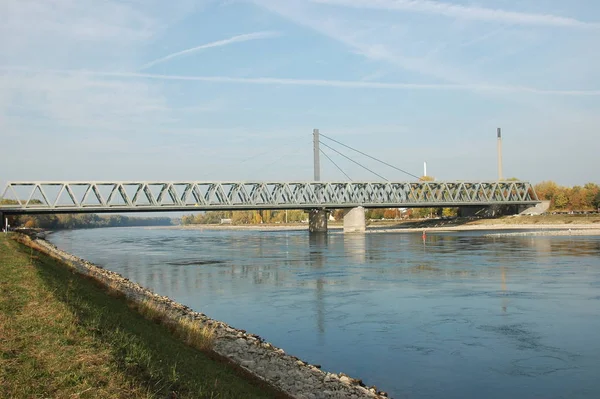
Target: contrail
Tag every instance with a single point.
(348, 84)
(464, 12)
(219, 43)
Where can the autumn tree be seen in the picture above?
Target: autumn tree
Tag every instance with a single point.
(546, 190)
(596, 201)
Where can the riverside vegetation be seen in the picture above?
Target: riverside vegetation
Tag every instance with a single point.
(64, 335)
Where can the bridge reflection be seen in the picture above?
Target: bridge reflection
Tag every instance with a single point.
(327, 265)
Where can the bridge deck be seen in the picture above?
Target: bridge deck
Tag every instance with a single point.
(130, 196)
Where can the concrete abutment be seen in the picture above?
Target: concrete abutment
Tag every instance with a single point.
(354, 220)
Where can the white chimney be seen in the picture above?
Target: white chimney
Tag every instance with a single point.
(424, 168)
(499, 154)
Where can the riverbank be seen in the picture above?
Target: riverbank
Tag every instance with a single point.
(248, 353)
(62, 335)
(588, 223)
(551, 224)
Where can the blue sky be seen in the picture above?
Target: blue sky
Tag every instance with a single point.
(231, 90)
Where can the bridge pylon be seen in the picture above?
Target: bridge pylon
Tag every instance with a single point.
(354, 220)
(317, 220)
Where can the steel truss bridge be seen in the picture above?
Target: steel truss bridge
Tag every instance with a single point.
(160, 196)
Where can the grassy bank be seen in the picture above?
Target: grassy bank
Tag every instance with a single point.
(62, 335)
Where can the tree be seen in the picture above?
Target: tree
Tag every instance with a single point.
(187, 219)
(391, 213)
(420, 213)
(241, 217)
(450, 212)
(591, 191)
(338, 214)
(576, 197)
(596, 201)
(374, 214)
(561, 200)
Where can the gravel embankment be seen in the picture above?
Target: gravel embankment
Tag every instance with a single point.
(271, 364)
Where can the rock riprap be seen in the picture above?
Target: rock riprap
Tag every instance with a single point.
(250, 352)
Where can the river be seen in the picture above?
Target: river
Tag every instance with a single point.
(457, 315)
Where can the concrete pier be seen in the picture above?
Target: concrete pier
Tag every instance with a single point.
(354, 220)
(317, 221)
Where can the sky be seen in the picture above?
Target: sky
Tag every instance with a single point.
(211, 90)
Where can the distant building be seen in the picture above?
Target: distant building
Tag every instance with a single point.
(225, 221)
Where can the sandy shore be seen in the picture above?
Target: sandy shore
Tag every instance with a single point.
(569, 232)
(537, 227)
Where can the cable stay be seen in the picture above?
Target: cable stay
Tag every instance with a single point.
(352, 160)
(336, 165)
(369, 156)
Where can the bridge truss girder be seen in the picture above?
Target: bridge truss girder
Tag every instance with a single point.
(76, 197)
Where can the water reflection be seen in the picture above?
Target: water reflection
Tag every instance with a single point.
(458, 315)
(317, 248)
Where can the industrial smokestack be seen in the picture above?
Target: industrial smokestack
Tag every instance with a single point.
(499, 154)
(424, 168)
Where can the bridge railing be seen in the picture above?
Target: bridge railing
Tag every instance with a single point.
(198, 195)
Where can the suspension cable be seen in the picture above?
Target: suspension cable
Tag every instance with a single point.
(336, 165)
(352, 160)
(369, 156)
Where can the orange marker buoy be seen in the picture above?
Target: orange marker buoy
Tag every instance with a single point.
(424, 235)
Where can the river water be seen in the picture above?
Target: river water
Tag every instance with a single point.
(457, 315)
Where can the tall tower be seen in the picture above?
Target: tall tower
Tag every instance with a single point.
(499, 154)
(316, 155)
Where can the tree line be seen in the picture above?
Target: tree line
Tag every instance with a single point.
(246, 217)
(83, 221)
(576, 198)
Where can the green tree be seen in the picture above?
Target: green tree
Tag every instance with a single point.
(450, 212)
(561, 200)
(596, 201)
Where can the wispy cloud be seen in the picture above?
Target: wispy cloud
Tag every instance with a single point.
(219, 43)
(464, 12)
(348, 84)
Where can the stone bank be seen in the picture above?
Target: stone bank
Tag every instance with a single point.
(248, 351)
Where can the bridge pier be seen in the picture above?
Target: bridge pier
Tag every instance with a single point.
(317, 221)
(354, 220)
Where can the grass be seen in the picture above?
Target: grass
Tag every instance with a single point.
(192, 333)
(64, 336)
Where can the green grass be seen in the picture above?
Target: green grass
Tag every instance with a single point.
(62, 335)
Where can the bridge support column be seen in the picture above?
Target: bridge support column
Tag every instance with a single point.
(317, 221)
(354, 220)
